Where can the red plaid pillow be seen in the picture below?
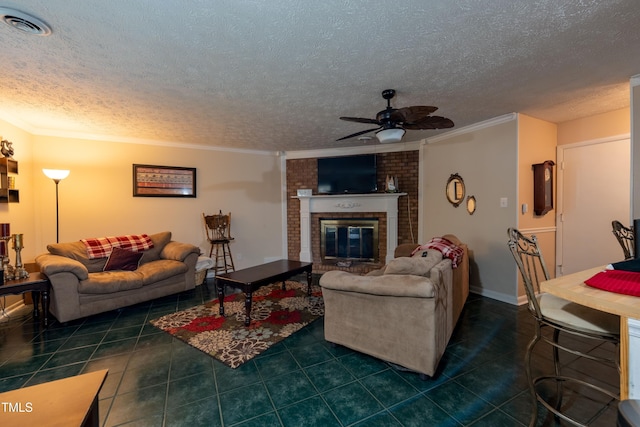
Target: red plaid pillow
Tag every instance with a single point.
(101, 247)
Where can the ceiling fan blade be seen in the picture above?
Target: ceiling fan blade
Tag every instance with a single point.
(430, 122)
(361, 120)
(358, 133)
(413, 114)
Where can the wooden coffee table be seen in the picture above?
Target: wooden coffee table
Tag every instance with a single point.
(252, 278)
(67, 402)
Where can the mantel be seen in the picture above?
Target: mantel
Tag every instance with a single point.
(373, 202)
(338, 196)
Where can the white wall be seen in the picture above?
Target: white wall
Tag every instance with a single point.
(485, 155)
(537, 142)
(96, 199)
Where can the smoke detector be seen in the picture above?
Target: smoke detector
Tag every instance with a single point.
(24, 22)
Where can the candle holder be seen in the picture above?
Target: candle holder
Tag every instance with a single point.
(7, 269)
(20, 272)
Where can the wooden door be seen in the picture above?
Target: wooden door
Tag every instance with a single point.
(593, 189)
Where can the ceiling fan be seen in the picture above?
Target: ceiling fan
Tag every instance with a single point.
(393, 122)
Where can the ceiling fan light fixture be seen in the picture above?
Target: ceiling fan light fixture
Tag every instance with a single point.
(392, 122)
(387, 136)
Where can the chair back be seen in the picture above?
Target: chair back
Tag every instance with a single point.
(218, 227)
(531, 264)
(625, 236)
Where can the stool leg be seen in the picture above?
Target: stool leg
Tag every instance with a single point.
(233, 268)
(216, 267)
(224, 257)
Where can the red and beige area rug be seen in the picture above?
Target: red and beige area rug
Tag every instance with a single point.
(275, 315)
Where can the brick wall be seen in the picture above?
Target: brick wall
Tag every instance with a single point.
(303, 173)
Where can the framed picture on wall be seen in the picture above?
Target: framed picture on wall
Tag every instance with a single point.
(163, 181)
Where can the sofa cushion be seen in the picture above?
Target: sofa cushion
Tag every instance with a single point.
(404, 249)
(431, 256)
(401, 286)
(110, 281)
(161, 269)
(418, 266)
(159, 240)
(123, 259)
(377, 272)
(77, 251)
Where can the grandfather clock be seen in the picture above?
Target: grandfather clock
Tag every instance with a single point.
(543, 187)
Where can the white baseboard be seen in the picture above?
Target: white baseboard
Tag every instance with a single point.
(509, 299)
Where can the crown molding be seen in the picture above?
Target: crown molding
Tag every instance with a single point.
(347, 151)
(474, 127)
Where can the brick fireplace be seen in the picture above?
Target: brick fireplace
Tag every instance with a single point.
(302, 173)
(382, 207)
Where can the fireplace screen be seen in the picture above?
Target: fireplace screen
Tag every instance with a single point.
(352, 239)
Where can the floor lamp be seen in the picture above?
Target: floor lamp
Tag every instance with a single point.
(56, 175)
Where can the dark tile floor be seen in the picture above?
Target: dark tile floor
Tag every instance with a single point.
(155, 380)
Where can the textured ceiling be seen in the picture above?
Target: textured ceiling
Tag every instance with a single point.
(276, 74)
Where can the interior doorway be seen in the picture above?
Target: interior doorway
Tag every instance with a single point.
(594, 188)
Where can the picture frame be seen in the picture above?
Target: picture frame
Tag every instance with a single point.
(163, 181)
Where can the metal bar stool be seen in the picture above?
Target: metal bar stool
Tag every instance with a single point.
(559, 316)
(625, 237)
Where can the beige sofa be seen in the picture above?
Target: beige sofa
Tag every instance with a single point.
(80, 287)
(406, 319)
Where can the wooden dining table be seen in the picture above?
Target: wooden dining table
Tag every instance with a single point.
(572, 287)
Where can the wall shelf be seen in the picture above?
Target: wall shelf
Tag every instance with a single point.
(8, 167)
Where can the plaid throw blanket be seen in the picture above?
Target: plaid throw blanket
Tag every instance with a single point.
(101, 247)
(448, 249)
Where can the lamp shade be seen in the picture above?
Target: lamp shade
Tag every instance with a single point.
(386, 136)
(56, 174)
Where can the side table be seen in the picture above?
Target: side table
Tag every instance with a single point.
(38, 284)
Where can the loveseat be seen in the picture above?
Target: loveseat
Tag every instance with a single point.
(405, 312)
(138, 268)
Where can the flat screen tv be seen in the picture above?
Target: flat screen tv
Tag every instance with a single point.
(347, 174)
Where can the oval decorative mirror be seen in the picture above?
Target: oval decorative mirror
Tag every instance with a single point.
(471, 204)
(455, 189)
